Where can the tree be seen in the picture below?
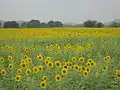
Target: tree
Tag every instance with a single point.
(33, 24)
(99, 24)
(51, 23)
(0, 25)
(11, 24)
(43, 25)
(90, 23)
(24, 25)
(115, 24)
(58, 24)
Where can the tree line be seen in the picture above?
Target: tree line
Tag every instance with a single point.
(38, 24)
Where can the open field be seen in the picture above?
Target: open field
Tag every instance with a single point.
(60, 59)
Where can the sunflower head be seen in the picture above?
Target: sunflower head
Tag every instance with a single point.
(1, 59)
(74, 59)
(40, 68)
(46, 62)
(18, 78)
(104, 68)
(10, 58)
(29, 60)
(57, 63)
(42, 84)
(19, 71)
(65, 66)
(58, 78)
(28, 71)
(96, 74)
(26, 49)
(64, 71)
(81, 59)
(80, 68)
(50, 65)
(24, 65)
(48, 58)
(118, 74)
(93, 63)
(40, 57)
(85, 73)
(87, 69)
(76, 67)
(3, 72)
(10, 66)
(44, 78)
(88, 64)
(35, 69)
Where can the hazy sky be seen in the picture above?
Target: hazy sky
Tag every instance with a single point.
(75, 11)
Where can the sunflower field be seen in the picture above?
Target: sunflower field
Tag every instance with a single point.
(60, 59)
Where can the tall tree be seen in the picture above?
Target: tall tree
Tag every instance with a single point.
(0, 25)
(33, 24)
(24, 25)
(11, 24)
(99, 24)
(58, 24)
(90, 23)
(51, 24)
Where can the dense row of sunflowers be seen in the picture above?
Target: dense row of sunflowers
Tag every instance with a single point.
(27, 66)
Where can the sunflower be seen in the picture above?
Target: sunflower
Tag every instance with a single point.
(58, 78)
(47, 47)
(1, 59)
(29, 60)
(42, 84)
(26, 49)
(40, 57)
(40, 68)
(19, 71)
(93, 63)
(87, 69)
(108, 58)
(24, 65)
(50, 65)
(28, 71)
(118, 74)
(22, 61)
(35, 69)
(64, 71)
(83, 68)
(90, 60)
(65, 66)
(75, 67)
(104, 68)
(81, 59)
(85, 73)
(10, 58)
(96, 74)
(44, 78)
(46, 62)
(3, 72)
(10, 66)
(69, 64)
(74, 59)
(57, 63)
(48, 58)
(18, 78)
(88, 64)
(25, 57)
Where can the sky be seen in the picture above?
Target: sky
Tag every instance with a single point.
(75, 11)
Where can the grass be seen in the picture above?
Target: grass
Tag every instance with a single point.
(100, 46)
